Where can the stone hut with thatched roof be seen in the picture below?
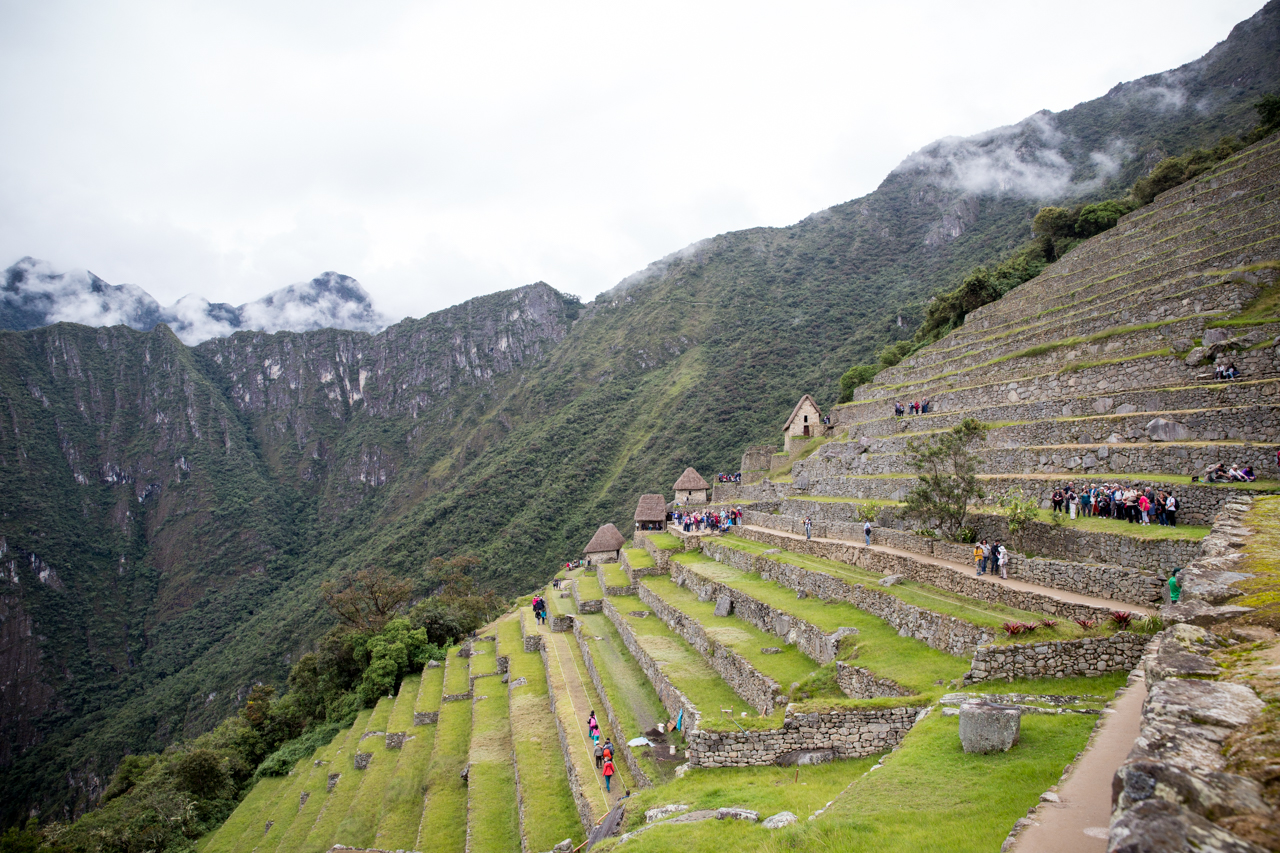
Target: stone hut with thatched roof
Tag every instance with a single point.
(605, 545)
(691, 488)
(651, 513)
(805, 423)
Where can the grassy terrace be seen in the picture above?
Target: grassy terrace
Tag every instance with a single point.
(614, 575)
(303, 820)
(243, 830)
(639, 558)
(1262, 558)
(549, 810)
(402, 803)
(687, 670)
(635, 704)
(493, 817)
(444, 822)
(786, 667)
(361, 823)
(484, 656)
(557, 606)
(928, 597)
(663, 542)
(589, 587)
(1117, 527)
(907, 661)
(336, 803)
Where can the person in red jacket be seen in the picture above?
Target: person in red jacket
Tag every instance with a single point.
(608, 773)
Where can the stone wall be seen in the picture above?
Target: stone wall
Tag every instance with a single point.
(1088, 656)
(843, 733)
(585, 605)
(673, 699)
(425, 718)
(560, 624)
(860, 683)
(661, 558)
(757, 458)
(642, 780)
(940, 576)
(633, 572)
(945, 633)
(807, 637)
(756, 689)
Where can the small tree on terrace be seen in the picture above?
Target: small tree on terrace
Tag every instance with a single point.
(368, 599)
(948, 473)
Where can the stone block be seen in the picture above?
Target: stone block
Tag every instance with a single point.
(661, 812)
(362, 760)
(779, 820)
(890, 580)
(737, 814)
(724, 605)
(1159, 429)
(986, 727)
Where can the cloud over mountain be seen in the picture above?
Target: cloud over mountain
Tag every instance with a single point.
(34, 294)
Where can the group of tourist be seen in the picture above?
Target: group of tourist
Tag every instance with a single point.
(1136, 505)
(1229, 371)
(604, 752)
(1235, 474)
(540, 609)
(708, 520)
(915, 407)
(991, 556)
(729, 478)
(576, 564)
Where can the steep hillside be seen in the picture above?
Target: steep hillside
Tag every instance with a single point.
(169, 513)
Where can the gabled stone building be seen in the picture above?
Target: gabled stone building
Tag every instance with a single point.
(805, 423)
(605, 546)
(691, 488)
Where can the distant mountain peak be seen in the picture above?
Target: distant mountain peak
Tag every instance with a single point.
(35, 294)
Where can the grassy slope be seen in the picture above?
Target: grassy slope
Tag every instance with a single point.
(360, 826)
(493, 820)
(247, 823)
(333, 821)
(444, 819)
(401, 810)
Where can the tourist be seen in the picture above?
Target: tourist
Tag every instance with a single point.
(1175, 587)
(599, 756)
(608, 749)
(1144, 506)
(1246, 474)
(980, 552)
(1057, 499)
(1086, 501)
(997, 551)
(593, 728)
(866, 531)
(1171, 510)
(608, 774)
(1003, 560)
(808, 527)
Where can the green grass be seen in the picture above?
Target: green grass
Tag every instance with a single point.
(664, 541)
(589, 587)
(401, 811)
(444, 821)
(639, 558)
(1123, 528)
(971, 610)
(786, 667)
(768, 790)
(635, 703)
(245, 828)
(297, 823)
(685, 668)
(614, 575)
(494, 820)
(484, 659)
(456, 673)
(360, 825)
(1262, 559)
(908, 661)
(551, 815)
(337, 801)
(932, 796)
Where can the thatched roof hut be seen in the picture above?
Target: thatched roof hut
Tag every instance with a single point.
(651, 513)
(607, 540)
(691, 480)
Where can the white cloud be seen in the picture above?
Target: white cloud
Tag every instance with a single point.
(437, 151)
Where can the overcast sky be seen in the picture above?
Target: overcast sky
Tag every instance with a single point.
(437, 151)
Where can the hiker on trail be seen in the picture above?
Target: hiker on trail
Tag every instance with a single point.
(1003, 560)
(808, 527)
(608, 773)
(599, 757)
(997, 551)
(980, 552)
(866, 530)
(593, 728)
(1175, 588)
(608, 749)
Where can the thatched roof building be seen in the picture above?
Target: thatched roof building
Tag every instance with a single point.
(691, 488)
(604, 546)
(651, 513)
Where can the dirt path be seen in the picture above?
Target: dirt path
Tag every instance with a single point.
(627, 677)
(968, 569)
(1079, 823)
(575, 700)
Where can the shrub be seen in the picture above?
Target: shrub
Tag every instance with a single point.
(1122, 619)
(859, 374)
(1019, 511)
(1048, 623)
(1086, 624)
(948, 475)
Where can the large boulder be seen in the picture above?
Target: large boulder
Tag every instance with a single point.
(724, 605)
(1159, 429)
(987, 727)
(779, 820)
(1214, 336)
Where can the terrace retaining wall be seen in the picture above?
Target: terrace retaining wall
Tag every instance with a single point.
(672, 698)
(642, 780)
(1087, 656)
(847, 733)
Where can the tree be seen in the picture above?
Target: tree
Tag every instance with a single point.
(948, 473)
(1055, 222)
(367, 600)
(1268, 114)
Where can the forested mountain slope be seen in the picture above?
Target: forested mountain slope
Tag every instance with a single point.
(168, 513)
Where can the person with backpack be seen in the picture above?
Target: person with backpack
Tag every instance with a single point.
(608, 750)
(866, 531)
(608, 773)
(980, 557)
(599, 757)
(1175, 588)
(808, 527)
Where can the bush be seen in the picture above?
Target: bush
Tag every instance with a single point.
(859, 374)
(1019, 511)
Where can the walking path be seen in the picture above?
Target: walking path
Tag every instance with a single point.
(1079, 823)
(575, 701)
(1011, 583)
